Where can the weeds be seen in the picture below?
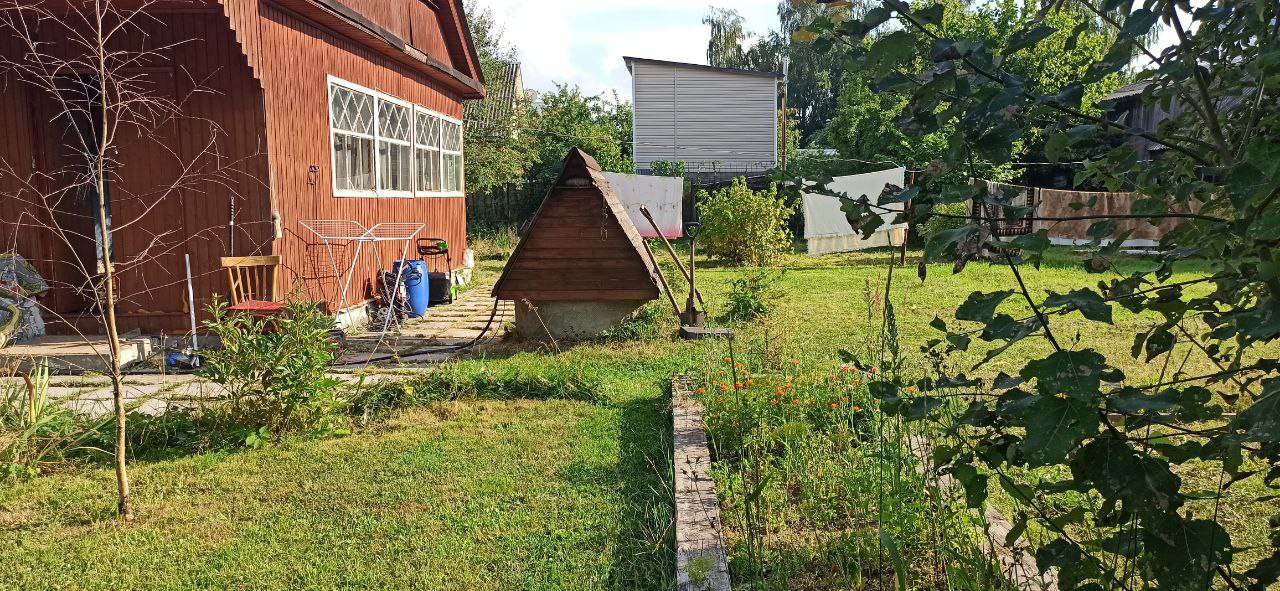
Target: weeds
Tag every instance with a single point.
(753, 296)
(36, 432)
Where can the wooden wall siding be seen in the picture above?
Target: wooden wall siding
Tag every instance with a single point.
(580, 246)
(426, 34)
(702, 116)
(221, 104)
(298, 140)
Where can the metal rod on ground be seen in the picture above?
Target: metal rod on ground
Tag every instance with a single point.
(683, 271)
(662, 278)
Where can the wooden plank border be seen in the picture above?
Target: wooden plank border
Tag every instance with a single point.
(701, 561)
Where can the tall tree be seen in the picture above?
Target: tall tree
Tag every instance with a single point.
(498, 153)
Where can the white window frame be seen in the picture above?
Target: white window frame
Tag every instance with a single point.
(377, 138)
(333, 147)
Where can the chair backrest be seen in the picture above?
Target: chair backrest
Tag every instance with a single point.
(252, 278)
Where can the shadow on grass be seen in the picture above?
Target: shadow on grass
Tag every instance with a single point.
(645, 556)
(643, 549)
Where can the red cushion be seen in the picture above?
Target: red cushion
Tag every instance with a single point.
(257, 306)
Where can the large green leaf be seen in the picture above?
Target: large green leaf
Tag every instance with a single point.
(980, 307)
(1077, 374)
(1055, 427)
(1088, 302)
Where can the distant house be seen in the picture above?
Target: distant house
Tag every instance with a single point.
(324, 109)
(1130, 110)
(719, 122)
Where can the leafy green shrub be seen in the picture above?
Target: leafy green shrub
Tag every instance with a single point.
(744, 227)
(752, 296)
(667, 168)
(274, 371)
(937, 224)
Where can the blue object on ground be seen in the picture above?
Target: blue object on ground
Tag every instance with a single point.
(415, 284)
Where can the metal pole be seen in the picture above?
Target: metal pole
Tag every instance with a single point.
(191, 304)
(786, 68)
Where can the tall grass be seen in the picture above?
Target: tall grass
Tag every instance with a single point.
(37, 433)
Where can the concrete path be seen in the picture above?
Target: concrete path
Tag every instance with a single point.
(451, 325)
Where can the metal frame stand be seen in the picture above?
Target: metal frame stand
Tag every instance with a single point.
(329, 231)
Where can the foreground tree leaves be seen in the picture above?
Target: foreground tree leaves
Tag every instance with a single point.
(1212, 171)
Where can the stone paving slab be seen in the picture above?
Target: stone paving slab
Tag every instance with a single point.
(701, 560)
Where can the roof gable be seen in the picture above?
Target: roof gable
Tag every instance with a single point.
(580, 246)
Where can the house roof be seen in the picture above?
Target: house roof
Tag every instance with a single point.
(339, 17)
(625, 271)
(505, 89)
(631, 61)
(1128, 90)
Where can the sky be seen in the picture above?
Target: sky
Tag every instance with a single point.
(582, 42)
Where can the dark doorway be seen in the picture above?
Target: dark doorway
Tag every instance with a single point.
(74, 136)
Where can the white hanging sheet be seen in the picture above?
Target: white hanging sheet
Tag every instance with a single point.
(664, 196)
(827, 229)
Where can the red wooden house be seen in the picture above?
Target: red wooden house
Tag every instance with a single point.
(308, 109)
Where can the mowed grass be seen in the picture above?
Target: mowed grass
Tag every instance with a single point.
(517, 494)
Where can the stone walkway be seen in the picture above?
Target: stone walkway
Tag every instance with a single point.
(419, 344)
(442, 327)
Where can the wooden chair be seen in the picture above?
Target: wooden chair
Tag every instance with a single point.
(253, 284)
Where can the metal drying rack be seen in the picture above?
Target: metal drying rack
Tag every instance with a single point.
(330, 231)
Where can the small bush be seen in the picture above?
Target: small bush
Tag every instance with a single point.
(752, 296)
(274, 371)
(937, 224)
(744, 227)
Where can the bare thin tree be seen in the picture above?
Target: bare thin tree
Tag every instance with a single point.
(91, 60)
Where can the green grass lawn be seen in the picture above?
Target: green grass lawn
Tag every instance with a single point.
(516, 494)
(512, 494)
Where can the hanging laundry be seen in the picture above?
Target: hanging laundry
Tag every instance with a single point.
(827, 229)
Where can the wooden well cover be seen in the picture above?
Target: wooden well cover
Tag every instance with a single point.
(580, 246)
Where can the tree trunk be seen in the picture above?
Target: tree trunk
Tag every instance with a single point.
(123, 506)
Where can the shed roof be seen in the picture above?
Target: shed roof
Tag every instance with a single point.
(580, 246)
(631, 61)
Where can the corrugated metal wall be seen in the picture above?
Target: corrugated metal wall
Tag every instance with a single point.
(701, 117)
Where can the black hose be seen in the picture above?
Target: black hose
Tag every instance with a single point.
(433, 351)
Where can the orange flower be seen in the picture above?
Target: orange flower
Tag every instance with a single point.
(728, 360)
(796, 401)
(844, 369)
(702, 390)
(834, 405)
(738, 364)
(857, 383)
(744, 372)
(724, 387)
(794, 362)
(750, 383)
(721, 401)
(788, 385)
(856, 408)
(775, 401)
(875, 370)
(912, 390)
(737, 384)
(844, 398)
(780, 392)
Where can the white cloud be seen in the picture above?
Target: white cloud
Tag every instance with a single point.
(582, 42)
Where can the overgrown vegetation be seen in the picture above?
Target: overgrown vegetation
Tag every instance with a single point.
(274, 371)
(1065, 432)
(35, 432)
(744, 227)
(752, 296)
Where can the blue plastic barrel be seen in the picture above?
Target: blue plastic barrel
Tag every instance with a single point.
(416, 284)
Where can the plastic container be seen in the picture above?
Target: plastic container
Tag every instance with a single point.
(415, 284)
